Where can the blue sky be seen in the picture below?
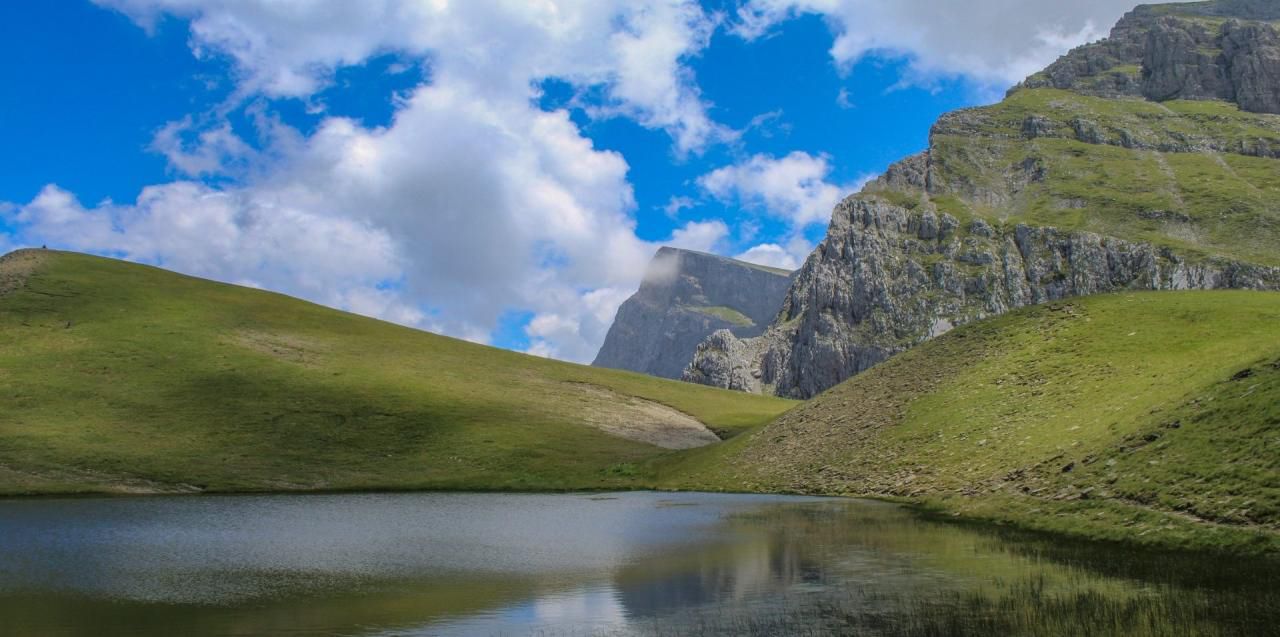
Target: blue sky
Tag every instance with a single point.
(490, 170)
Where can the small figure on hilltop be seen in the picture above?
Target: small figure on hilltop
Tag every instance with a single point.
(44, 247)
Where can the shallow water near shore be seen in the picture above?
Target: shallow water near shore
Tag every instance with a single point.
(586, 564)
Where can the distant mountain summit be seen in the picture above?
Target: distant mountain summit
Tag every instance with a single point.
(686, 296)
(1227, 50)
(1146, 161)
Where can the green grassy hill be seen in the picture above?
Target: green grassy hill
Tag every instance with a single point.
(116, 377)
(1201, 177)
(1149, 417)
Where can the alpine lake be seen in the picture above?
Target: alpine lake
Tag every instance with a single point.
(636, 563)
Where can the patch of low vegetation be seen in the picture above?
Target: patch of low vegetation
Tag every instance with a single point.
(116, 377)
(766, 268)
(1019, 608)
(1142, 417)
(726, 314)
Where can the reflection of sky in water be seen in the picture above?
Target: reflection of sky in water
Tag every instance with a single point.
(758, 566)
(212, 549)
(585, 610)
(479, 564)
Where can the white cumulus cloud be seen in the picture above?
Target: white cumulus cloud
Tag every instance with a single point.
(471, 203)
(231, 236)
(770, 254)
(794, 188)
(636, 50)
(474, 201)
(993, 43)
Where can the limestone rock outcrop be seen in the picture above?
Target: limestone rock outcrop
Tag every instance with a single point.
(886, 278)
(1227, 50)
(685, 297)
(1086, 179)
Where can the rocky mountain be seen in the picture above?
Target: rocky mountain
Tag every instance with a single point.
(1193, 51)
(1149, 160)
(685, 297)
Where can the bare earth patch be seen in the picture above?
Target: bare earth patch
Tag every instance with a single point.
(53, 480)
(289, 348)
(16, 266)
(642, 420)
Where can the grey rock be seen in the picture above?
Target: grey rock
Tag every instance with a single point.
(1180, 61)
(1223, 50)
(883, 281)
(1036, 126)
(681, 301)
(1087, 131)
(906, 175)
(980, 228)
(893, 271)
(1252, 63)
(730, 370)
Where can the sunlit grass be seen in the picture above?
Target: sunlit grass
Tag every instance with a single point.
(1147, 417)
(115, 376)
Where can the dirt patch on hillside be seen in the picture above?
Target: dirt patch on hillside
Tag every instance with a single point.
(16, 267)
(642, 420)
(26, 480)
(291, 348)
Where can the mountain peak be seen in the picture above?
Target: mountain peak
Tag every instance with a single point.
(686, 295)
(1190, 51)
(668, 259)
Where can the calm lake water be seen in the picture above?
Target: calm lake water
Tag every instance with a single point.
(585, 564)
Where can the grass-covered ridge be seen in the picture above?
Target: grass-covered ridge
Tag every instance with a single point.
(1202, 177)
(726, 314)
(116, 376)
(1150, 417)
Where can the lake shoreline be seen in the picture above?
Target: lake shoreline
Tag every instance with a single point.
(1237, 543)
(639, 563)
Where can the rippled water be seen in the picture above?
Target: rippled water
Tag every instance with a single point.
(574, 564)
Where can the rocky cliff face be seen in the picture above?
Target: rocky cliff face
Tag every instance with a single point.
(1079, 182)
(887, 278)
(685, 297)
(1227, 50)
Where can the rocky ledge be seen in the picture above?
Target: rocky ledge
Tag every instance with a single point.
(887, 278)
(1225, 50)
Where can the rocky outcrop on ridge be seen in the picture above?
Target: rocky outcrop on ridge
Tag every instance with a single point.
(1227, 50)
(887, 278)
(1082, 181)
(685, 297)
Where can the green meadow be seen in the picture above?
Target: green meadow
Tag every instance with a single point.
(1141, 417)
(1145, 417)
(116, 377)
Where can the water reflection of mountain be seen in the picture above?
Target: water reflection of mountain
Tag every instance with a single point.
(783, 564)
(760, 554)
(822, 569)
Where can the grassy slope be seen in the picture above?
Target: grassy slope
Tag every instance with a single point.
(726, 314)
(1221, 203)
(1125, 417)
(114, 375)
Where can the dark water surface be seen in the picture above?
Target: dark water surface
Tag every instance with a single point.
(615, 564)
